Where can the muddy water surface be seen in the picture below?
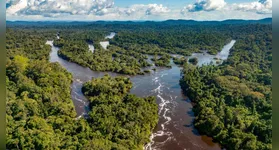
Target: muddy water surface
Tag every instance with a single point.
(175, 130)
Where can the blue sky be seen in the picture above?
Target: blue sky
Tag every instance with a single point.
(90, 10)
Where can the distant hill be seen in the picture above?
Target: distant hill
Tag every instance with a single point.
(168, 22)
(230, 21)
(262, 21)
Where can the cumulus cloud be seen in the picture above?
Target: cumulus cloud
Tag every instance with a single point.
(55, 7)
(155, 9)
(15, 6)
(141, 9)
(205, 5)
(133, 9)
(261, 6)
(106, 10)
(85, 8)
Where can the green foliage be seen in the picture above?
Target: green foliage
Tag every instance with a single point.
(39, 110)
(115, 60)
(164, 60)
(165, 38)
(37, 94)
(180, 61)
(233, 100)
(128, 49)
(118, 85)
(193, 61)
(41, 115)
(121, 118)
(30, 43)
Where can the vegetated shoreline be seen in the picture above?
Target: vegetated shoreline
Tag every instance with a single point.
(110, 99)
(89, 96)
(163, 61)
(120, 73)
(103, 89)
(128, 41)
(232, 102)
(243, 71)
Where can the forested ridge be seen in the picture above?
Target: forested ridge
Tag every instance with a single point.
(233, 101)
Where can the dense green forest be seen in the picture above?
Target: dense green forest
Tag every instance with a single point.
(120, 117)
(127, 52)
(180, 61)
(40, 113)
(233, 102)
(178, 39)
(115, 60)
(128, 49)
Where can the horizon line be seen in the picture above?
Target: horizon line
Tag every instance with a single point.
(134, 20)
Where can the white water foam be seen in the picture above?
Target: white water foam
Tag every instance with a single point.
(163, 111)
(76, 93)
(80, 116)
(80, 100)
(162, 143)
(49, 43)
(78, 80)
(162, 104)
(158, 89)
(155, 80)
(166, 117)
(163, 75)
(159, 133)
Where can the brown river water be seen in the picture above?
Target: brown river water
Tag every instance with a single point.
(175, 130)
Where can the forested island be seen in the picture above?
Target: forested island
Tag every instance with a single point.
(232, 100)
(119, 116)
(128, 49)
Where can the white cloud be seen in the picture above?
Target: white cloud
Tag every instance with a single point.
(85, 8)
(57, 7)
(15, 6)
(155, 9)
(205, 5)
(106, 10)
(223, 14)
(261, 6)
(142, 10)
(133, 9)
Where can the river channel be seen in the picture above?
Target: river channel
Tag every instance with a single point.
(175, 130)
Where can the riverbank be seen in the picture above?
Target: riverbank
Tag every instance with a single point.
(163, 83)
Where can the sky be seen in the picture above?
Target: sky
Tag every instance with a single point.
(92, 10)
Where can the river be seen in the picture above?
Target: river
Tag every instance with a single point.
(205, 59)
(91, 47)
(105, 44)
(175, 128)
